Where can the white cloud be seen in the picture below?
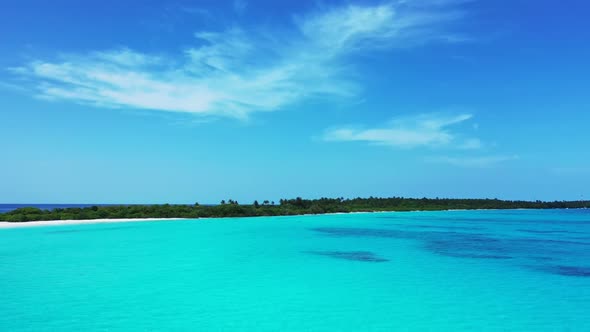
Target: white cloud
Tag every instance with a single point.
(235, 72)
(425, 130)
(126, 58)
(480, 161)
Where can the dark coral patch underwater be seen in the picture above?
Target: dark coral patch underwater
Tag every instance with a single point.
(566, 270)
(523, 251)
(362, 256)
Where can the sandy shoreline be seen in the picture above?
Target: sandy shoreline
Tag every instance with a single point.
(5, 224)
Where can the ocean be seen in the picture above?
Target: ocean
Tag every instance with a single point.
(510, 270)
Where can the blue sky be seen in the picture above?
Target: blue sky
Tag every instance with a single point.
(184, 101)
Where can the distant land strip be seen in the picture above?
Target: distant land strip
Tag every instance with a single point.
(284, 207)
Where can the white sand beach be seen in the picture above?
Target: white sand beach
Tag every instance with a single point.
(4, 224)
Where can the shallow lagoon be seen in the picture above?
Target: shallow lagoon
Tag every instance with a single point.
(440, 271)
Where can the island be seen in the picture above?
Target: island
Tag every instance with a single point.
(285, 207)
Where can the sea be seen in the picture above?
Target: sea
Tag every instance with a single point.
(508, 270)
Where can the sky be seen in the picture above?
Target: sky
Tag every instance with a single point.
(198, 101)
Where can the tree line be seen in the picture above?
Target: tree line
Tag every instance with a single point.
(296, 206)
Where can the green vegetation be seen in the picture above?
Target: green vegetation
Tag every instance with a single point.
(295, 206)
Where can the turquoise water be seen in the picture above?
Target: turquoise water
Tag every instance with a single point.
(524, 270)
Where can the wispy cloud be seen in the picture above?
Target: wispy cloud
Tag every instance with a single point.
(478, 162)
(426, 130)
(236, 72)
